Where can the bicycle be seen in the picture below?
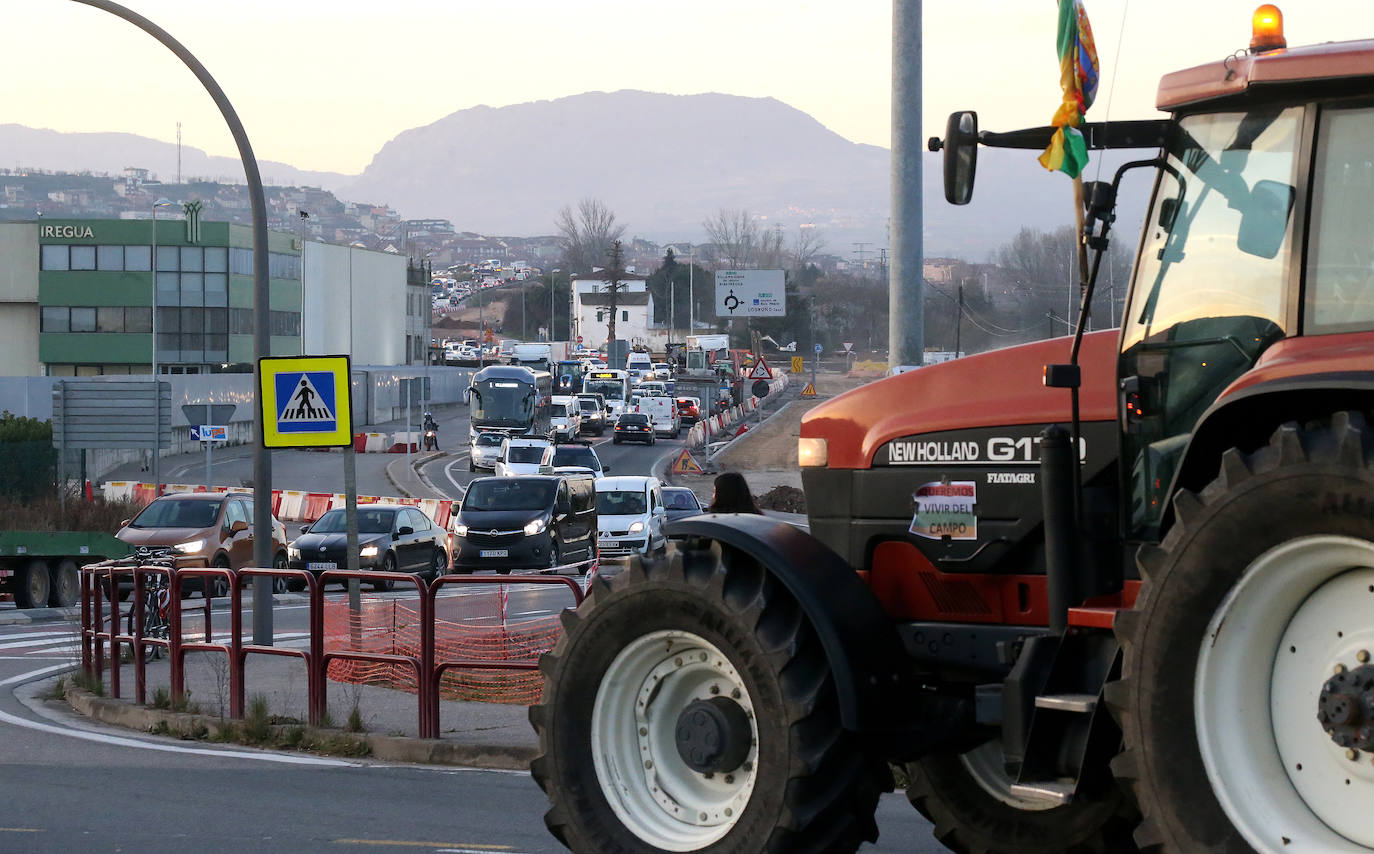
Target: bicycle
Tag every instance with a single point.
(157, 598)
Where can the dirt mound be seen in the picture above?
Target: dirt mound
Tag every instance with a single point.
(783, 498)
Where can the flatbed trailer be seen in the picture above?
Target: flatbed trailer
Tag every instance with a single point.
(42, 568)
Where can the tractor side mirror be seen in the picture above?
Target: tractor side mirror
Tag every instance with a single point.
(1264, 221)
(961, 156)
(1168, 213)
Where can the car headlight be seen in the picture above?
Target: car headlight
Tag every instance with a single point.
(812, 453)
(368, 551)
(636, 527)
(293, 552)
(460, 530)
(535, 527)
(189, 547)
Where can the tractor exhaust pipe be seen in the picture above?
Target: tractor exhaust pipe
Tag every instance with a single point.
(1058, 485)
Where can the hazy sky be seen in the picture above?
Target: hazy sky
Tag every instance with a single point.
(322, 84)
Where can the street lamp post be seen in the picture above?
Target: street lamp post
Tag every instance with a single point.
(157, 394)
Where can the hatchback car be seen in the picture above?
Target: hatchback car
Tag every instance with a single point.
(593, 414)
(680, 502)
(581, 456)
(483, 450)
(629, 516)
(215, 527)
(689, 410)
(633, 427)
(391, 538)
(531, 522)
(523, 456)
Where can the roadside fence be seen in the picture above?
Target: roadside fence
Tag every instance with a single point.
(398, 643)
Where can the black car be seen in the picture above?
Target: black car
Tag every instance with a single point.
(391, 538)
(633, 427)
(582, 456)
(680, 502)
(526, 522)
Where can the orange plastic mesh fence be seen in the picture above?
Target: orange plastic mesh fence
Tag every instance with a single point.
(393, 626)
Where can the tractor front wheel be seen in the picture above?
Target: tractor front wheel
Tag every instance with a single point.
(1247, 698)
(689, 707)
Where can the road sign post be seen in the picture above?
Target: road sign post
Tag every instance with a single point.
(305, 402)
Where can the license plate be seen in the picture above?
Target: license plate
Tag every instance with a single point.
(321, 567)
(493, 553)
(610, 544)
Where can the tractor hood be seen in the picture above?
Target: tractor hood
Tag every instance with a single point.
(1002, 387)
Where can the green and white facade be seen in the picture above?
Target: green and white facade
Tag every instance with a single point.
(76, 298)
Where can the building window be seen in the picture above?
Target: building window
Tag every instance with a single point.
(137, 258)
(109, 318)
(54, 258)
(83, 257)
(192, 259)
(216, 289)
(241, 262)
(240, 321)
(55, 318)
(83, 319)
(192, 288)
(216, 259)
(138, 319)
(168, 322)
(110, 258)
(625, 315)
(168, 258)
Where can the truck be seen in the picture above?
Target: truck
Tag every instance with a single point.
(535, 356)
(42, 568)
(1109, 592)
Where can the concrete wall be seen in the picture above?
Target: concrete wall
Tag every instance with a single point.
(19, 300)
(354, 304)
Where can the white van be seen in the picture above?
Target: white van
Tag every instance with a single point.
(639, 364)
(565, 418)
(630, 516)
(662, 412)
(524, 456)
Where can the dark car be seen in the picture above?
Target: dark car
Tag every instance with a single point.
(633, 427)
(582, 456)
(526, 522)
(391, 538)
(680, 502)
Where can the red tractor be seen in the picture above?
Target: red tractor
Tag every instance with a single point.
(1150, 628)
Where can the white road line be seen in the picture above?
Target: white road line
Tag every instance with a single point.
(448, 473)
(121, 741)
(528, 613)
(50, 642)
(47, 634)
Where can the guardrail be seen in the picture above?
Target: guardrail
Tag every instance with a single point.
(101, 619)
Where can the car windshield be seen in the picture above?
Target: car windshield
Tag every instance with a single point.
(178, 513)
(620, 503)
(588, 406)
(571, 455)
(504, 402)
(634, 418)
(370, 521)
(525, 454)
(680, 499)
(509, 493)
(489, 440)
(609, 389)
(558, 410)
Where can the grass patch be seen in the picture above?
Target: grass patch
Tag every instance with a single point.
(257, 726)
(88, 683)
(355, 720)
(162, 698)
(57, 690)
(183, 704)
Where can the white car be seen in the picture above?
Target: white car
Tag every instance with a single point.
(662, 412)
(524, 456)
(565, 418)
(663, 370)
(483, 450)
(630, 516)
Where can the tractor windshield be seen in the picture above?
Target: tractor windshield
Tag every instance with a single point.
(1211, 283)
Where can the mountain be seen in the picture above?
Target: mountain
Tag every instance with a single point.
(39, 148)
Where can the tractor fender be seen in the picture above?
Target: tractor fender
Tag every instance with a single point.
(871, 669)
(1247, 418)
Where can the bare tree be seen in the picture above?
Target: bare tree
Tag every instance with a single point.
(734, 237)
(615, 280)
(772, 249)
(587, 233)
(810, 241)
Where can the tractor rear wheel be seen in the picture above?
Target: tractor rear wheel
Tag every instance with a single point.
(1246, 694)
(968, 798)
(648, 731)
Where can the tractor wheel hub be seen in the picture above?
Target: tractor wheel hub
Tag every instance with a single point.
(713, 735)
(1345, 708)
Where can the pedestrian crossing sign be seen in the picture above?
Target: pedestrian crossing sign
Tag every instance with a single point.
(305, 401)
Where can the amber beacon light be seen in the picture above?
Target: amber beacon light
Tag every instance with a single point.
(1266, 29)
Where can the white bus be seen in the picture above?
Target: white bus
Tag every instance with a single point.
(613, 386)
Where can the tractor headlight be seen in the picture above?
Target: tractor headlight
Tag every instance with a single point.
(812, 453)
(368, 551)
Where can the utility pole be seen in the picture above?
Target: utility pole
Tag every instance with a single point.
(304, 218)
(906, 284)
(614, 274)
(959, 320)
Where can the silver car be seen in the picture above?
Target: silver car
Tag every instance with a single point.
(484, 450)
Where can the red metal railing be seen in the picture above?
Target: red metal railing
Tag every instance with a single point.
(100, 618)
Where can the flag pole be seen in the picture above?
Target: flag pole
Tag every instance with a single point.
(1081, 244)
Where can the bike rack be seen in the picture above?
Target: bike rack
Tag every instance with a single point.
(314, 674)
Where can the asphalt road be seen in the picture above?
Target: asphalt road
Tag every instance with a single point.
(71, 785)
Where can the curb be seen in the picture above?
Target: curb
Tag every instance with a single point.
(391, 748)
(395, 480)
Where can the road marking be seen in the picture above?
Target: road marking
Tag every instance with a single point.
(527, 613)
(439, 846)
(121, 741)
(21, 830)
(448, 473)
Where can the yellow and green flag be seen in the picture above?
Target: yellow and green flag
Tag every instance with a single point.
(1078, 73)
